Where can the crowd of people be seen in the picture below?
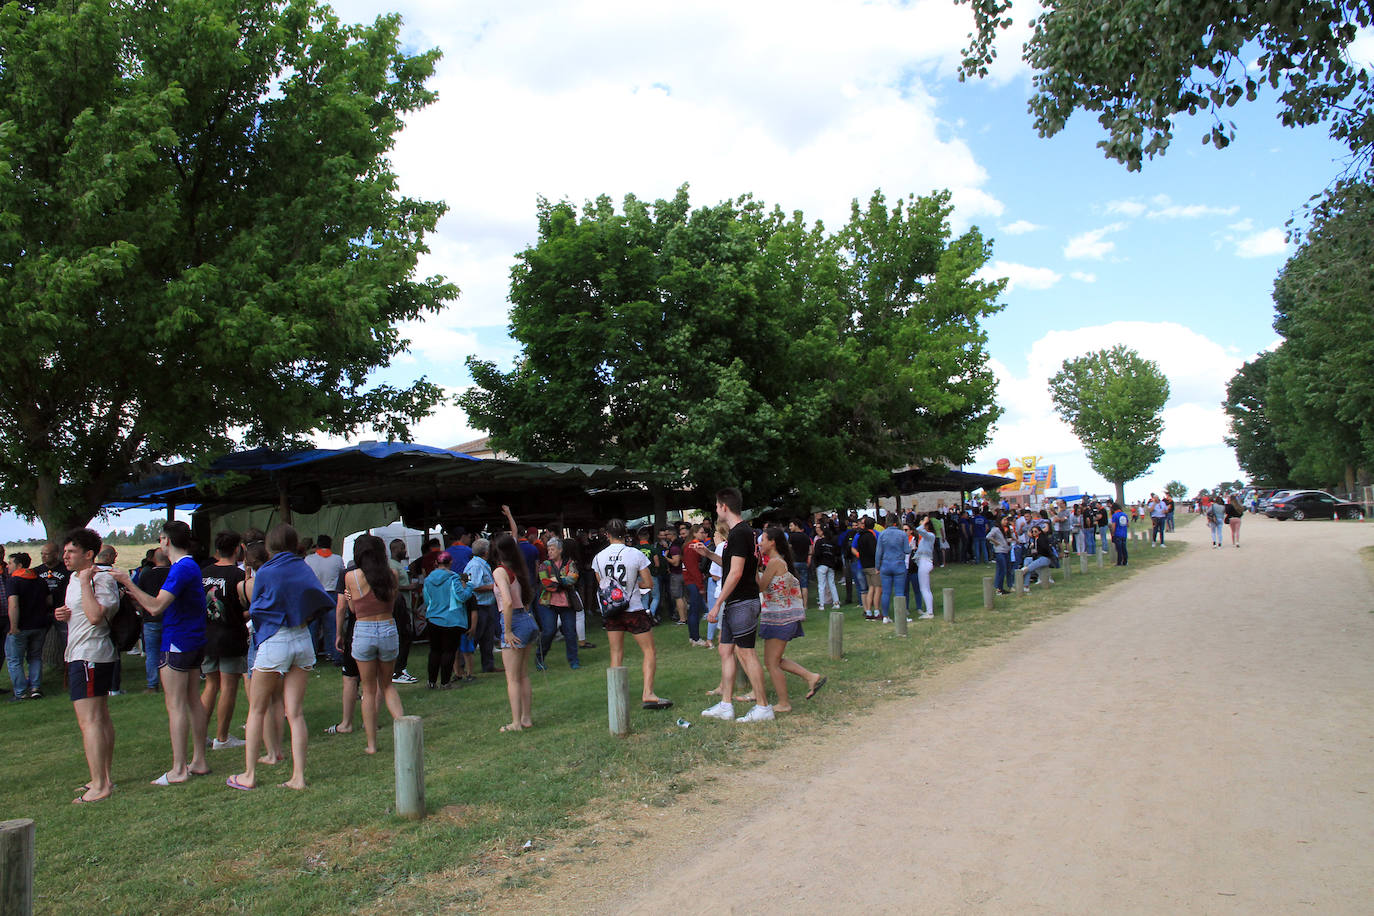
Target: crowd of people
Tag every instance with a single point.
(265, 608)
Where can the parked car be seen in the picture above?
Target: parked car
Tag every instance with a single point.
(1301, 504)
(1268, 496)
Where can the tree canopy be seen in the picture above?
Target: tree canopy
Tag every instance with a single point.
(1140, 64)
(201, 239)
(1112, 399)
(1309, 405)
(1176, 489)
(746, 347)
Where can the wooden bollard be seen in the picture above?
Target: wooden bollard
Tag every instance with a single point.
(1101, 555)
(16, 867)
(618, 700)
(987, 592)
(949, 605)
(408, 734)
(899, 614)
(1064, 567)
(836, 634)
(1020, 581)
(1082, 564)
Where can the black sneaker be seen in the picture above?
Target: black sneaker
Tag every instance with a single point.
(35, 694)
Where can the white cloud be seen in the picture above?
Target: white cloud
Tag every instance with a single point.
(1262, 244)
(1092, 244)
(1083, 277)
(1192, 421)
(1130, 208)
(1021, 227)
(1019, 275)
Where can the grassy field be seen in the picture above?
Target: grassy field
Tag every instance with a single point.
(338, 848)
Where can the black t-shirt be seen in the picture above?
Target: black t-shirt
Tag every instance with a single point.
(740, 543)
(226, 632)
(867, 545)
(801, 546)
(34, 610)
(55, 578)
(151, 581)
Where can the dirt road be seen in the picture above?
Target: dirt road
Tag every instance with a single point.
(1198, 739)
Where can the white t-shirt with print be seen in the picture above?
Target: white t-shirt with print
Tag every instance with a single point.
(621, 563)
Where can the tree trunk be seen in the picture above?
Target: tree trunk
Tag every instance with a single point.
(1120, 492)
(1350, 481)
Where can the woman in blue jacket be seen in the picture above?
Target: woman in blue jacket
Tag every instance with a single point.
(891, 560)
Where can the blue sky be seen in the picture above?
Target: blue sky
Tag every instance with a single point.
(809, 105)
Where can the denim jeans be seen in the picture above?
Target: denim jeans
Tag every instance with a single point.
(1034, 566)
(914, 604)
(856, 572)
(893, 583)
(1003, 578)
(152, 651)
(696, 609)
(712, 590)
(24, 656)
(653, 605)
(1090, 540)
(825, 579)
(1120, 550)
(322, 631)
(980, 550)
(803, 574)
(551, 620)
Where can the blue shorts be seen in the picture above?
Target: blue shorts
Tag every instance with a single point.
(183, 661)
(522, 625)
(89, 680)
(289, 647)
(376, 641)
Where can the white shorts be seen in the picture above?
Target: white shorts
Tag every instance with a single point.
(288, 648)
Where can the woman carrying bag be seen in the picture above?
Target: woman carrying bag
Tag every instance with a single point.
(558, 576)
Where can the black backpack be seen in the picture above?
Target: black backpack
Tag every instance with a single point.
(125, 625)
(826, 552)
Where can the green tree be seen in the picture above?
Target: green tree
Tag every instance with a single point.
(1252, 433)
(1112, 399)
(740, 345)
(1140, 64)
(1176, 489)
(1320, 391)
(200, 234)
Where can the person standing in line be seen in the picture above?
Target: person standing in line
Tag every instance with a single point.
(1234, 513)
(781, 615)
(981, 553)
(483, 629)
(694, 583)
(328, 568)
(369, 596)
(800, 546)
(1089, 523)
(623, 570)
(712, 550)
(518, 630)
(181, 604)
(286, 594)
(925, 562)
(890, 558)
(401, 613)
(1158, 511)
(150, 580)
(558, 579)
(866, 553)
(446, 597)
(825, 560)
(1121, 530)
(226, 638)
(1001, 554)
(28, 612)
(737, 607)
(92, 598)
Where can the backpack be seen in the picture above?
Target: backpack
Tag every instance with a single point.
(125, 625)
(826, 553)
(613, 598)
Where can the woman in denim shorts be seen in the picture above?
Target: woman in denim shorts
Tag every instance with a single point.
(518, 629)
(370, 595)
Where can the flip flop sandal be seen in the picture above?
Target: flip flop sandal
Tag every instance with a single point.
(817, 689)
(233, 783)
(82, 800)
(164, 781)
(657, 704)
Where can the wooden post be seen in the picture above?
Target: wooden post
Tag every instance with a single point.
(618, 700)
(1100, 554)
(1064, 568)
(899, 614)
(836, 634)
(16, 867)
(1020, 581)
(1083, 564)
(987, 592)
(408, 734)
(949, 605)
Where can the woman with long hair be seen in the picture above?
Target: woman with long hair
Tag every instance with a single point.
(254, 555)
(369, 595)
(780, 618)
(925, 561)
(1000, 537)
(1234, 512)
(517, 631)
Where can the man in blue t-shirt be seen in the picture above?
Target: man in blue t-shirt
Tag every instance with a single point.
(181, 605)
(1121, 529)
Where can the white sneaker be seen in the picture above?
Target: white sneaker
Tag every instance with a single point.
(926, 616)
(887, 620)
(757, 714)
(403, 677)
(231, 741)
(724, 711)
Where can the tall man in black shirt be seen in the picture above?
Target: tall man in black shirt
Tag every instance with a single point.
(737, 609)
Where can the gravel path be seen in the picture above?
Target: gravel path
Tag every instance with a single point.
(1198, 739)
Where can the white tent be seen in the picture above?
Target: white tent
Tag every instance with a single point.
(414, 540)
